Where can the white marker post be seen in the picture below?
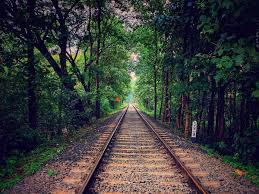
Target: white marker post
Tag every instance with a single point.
(194, 130)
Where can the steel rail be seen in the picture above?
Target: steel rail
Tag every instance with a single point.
(193, 179)
(89, 178)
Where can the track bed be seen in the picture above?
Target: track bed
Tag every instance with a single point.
(136, 161)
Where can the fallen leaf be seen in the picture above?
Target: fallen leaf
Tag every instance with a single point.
(240, 172)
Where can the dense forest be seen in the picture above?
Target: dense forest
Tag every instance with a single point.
(64, 64)
(199, 60)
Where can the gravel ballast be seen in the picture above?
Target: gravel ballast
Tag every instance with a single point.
(40, 182)
(215, 167)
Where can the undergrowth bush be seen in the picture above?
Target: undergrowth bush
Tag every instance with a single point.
(246, 145)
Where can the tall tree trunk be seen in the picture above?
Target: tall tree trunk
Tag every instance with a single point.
(211, 112)
(78, 74)
(162, 95)
(200, 115)
(220, 122)
(97, 81)
(87, 68)
(69, 84)
(32, 103)
(155, 91)
(179, 119)
(89, 28)
(166, 108)
(155, 75)
(242, 114)
(65, 79)
(187, 115)
(89, 86)
(244, 111)
(232, 111)
(63, 47)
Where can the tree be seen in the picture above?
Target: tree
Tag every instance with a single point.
(208, 70)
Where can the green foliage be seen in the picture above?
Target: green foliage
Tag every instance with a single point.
(148, 56)
(252, 171)
(18, 166)
(9, 182)
(192, 44)
(106, 106)
(255, 93)
(57, 97)
(209, 150)
(205, 47)
(145, 110)
(246, 145)
(51, 172)
(222, 145)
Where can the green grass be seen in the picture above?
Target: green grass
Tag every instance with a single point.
(20, 167)
(146, 111)
(210, 151)
(118, 108)
(51, 172)
(251, 171)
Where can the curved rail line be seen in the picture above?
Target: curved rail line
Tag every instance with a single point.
(90, 178)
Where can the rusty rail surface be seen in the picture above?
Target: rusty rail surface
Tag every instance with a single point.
(193, 179)
(89, 178)
(196, 183)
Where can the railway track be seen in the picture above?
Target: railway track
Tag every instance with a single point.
(136, 159)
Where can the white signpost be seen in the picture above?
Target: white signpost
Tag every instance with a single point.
(194, 129)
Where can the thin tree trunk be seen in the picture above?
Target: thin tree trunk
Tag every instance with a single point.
(234, 106)
(78, 74)
(179, 119)
(155, 75)
(211, 112)
(91, 55)
(89, 28)
(170, 99)
(87, 68)
(162, 95)
(242, 114)
(187, 115)
(166, 109)
(244, 111)
(220, 122)
(32, 104)
(32, 101)
(65, 79)
(201, 112)
(97, 81)
(63, 47)
(232, 111)
(155, 91)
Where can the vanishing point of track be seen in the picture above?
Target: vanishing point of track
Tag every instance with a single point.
(136, 159)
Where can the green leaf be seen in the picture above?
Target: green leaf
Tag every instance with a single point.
(227, 4)
(220, 51)
(239, 60)
(256, 93)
